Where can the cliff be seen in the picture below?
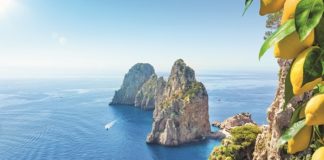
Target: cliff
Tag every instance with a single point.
(132, 83)
(181, 115)
(150, 92)
(265, 147)
(278, 119)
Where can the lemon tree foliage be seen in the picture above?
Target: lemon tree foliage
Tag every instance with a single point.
(319, 89)
(296, 115)
(247, 5)
(291, 132)
(319, 31)
(281, 33)
(308, 15)
(301, 38)
(313, 67)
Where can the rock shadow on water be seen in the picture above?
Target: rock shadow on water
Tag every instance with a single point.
(134, 115)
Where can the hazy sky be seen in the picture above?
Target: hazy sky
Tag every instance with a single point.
(88, 37)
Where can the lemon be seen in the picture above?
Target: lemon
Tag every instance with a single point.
(297, 72)
(314, 110)
(301, 141)
(271, 6)
(291, 45)
(318, 154)
(289, 10)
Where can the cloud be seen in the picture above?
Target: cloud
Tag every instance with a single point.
(62, 40)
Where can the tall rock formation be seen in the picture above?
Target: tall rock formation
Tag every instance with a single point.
(150, 93)
(181, 115)
(132, 83)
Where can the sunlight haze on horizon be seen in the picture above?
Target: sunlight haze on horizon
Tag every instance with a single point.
(82, 37)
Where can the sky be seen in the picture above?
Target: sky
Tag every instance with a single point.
(103, 37)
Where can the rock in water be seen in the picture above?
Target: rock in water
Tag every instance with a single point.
(151, 90)
(181, 115)
(237, 120)
(132, 83)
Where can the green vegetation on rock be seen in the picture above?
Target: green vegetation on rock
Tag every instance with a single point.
(195, 88)
(239, 145)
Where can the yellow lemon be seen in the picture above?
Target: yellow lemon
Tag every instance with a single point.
(271, 6)
(318, 154)
(297, 72)
(289, 10)
(291, 45)
(301, 141)
(314, 110)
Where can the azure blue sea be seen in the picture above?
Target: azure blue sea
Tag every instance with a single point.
(65, 118)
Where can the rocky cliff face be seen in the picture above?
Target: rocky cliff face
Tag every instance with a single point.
(278, 120)
(181, 115)
(132, 83)
(150, 92)
(237, 120)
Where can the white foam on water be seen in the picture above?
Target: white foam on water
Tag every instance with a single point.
(78, 91)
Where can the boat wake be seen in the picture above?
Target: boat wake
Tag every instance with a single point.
(110, 124)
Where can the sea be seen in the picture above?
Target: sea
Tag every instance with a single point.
(70, 119)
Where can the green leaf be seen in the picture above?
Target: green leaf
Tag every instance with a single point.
(283, 31)
(289, 94)
(319, 89)
(247, 5)
(312, 66)
(295, 116)
(321, 129)
(322, 61)
(319, 33)
(291, 132)
(308, 15)
(318, 132)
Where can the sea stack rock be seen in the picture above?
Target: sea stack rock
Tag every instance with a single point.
(132, 83)
(150, 93)
(238, 120)
(181, 115)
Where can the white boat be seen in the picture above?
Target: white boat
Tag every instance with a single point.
(110, 124)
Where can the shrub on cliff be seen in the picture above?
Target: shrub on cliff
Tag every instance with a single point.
(239, 145)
